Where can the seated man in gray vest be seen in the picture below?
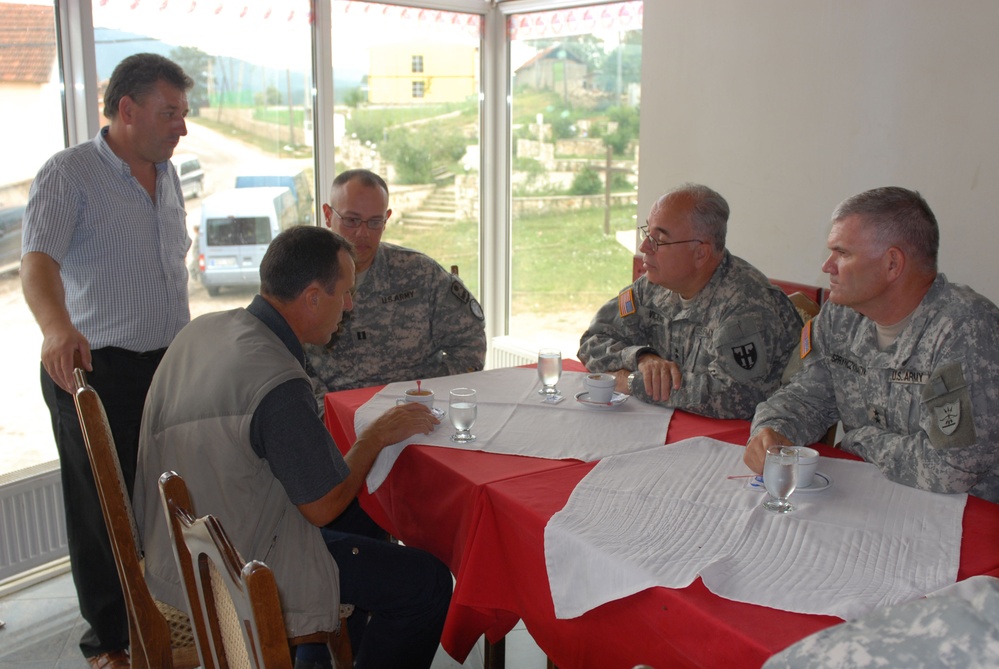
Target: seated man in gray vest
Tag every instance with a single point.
(231, 410)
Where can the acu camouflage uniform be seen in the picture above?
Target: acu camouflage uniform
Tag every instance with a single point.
(956, 629)
(412, 319)
(924, 410)
(731, 341)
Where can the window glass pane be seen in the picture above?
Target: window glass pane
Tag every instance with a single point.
(407, 85)
(250, 125)
(576, 90)
(31, 112)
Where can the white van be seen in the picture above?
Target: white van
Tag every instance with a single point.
(236, 228)
(192, 177)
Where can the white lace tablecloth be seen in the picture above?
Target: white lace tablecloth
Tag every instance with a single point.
(665, 516)
(512, 419)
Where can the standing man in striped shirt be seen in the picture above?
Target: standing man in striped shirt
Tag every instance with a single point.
(103, 271)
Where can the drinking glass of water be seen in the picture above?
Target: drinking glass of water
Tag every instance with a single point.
(780, 475)
(462, 410)
(549, 371)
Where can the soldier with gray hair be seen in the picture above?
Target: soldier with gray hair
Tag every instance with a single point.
(702, 330)
(412, 319)
(908, 361)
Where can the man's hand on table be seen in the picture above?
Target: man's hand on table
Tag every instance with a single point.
(756, 449)
(661, 376)
(400, 423)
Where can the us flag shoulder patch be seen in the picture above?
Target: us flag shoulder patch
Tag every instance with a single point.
(626, 303)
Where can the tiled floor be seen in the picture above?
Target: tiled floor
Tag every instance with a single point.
(43, 626)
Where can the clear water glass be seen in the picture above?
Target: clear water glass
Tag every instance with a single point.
(780, 476)
(462, 410)
(549, 371)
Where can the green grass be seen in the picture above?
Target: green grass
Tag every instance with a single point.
(279, 116)
(558, 259)
(564, 259)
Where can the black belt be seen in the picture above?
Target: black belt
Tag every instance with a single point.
(134, 355)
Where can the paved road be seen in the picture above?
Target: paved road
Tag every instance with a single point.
(25, 430)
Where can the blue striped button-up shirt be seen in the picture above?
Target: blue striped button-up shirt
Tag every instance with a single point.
(121, 255)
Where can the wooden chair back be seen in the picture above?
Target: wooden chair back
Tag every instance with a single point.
(159, 635)
(234, 604)
(238, 600)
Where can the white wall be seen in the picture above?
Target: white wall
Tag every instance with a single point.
(786, 107)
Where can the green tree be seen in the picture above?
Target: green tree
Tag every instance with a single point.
(415, 152)
(586, 182)
(354, 97)
(627, 128)
(195, 63)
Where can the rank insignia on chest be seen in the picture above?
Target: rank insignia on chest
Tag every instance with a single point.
(626, 303)
(745, 355)
(877, 416)
(948, 416)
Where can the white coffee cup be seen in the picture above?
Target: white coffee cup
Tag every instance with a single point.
(424, 397)
(808, 462)
(600, 387)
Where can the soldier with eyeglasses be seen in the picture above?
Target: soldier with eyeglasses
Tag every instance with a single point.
(412, 319)
(701, 330)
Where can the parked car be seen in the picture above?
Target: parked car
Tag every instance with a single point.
(192, 177)
(296, 180)
(237, 226)
(10, 235)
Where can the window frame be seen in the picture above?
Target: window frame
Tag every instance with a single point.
(78, 69)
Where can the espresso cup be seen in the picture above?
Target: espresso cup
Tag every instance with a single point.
(424, 397)
(600, 387)
(808, 462)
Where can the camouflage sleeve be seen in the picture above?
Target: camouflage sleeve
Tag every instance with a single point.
(457, 326)
(951, 444)
(727, 375)
(613, 341)
(956, 627)
(804, 409)
(313, 355)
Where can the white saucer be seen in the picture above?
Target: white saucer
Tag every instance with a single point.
(617, 399)
(819, 482)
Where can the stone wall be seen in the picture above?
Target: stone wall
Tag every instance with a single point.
(537, 205)
(15, 194)
(242, 119)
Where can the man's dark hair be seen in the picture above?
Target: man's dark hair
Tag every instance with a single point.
(898, 217)
(297, 257)
(137, 75)
(366, 177)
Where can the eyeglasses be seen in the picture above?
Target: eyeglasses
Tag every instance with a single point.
(373, 223)
(656, 243)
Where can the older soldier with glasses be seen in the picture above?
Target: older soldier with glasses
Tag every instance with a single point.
(412, 319)
(908, 361)
(702, 330)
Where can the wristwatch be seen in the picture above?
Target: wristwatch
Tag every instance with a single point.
(631, 379)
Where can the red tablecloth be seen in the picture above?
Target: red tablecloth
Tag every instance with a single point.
(484, 516)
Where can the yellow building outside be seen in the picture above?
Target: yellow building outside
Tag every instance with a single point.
(421, 72)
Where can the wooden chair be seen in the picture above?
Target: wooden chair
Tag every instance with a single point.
(159, 635)
(806, 306)
(235, 603)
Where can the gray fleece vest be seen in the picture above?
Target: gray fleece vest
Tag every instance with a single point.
(197, 423)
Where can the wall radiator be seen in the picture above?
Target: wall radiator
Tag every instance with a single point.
(32, 519)
(507, 351)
